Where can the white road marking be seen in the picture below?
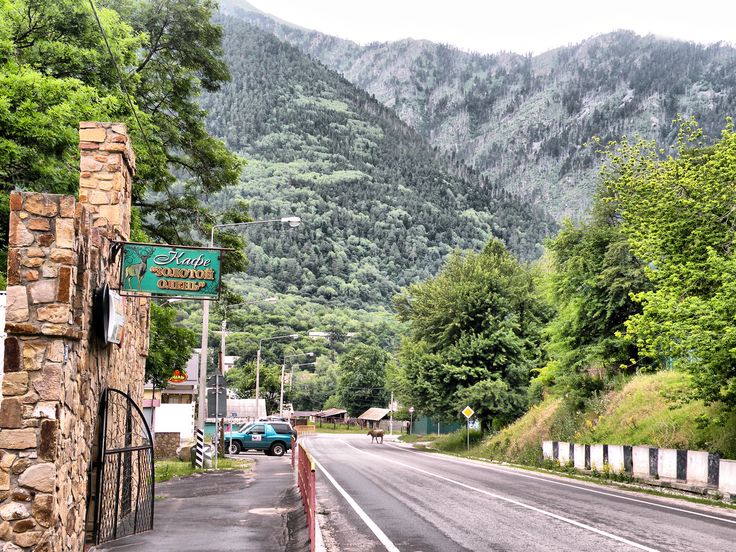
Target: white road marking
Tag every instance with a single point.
(515, 502)
(511, 471)
(358, 510)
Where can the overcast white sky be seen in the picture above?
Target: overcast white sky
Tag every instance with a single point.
(520, 26)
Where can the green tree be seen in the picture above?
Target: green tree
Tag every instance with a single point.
(170, 345)
(678, 216)
(55, 71)
(594, 276)
(474, 333)
(312, 389)
(363, 378)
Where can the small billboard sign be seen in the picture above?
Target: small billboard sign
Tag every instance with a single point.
(179, 376)
(171, 270)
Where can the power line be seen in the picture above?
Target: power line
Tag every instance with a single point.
(120, 78)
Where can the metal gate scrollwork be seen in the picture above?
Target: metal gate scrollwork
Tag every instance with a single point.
(124, 486)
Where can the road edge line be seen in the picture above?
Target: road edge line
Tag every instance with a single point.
(385, 541)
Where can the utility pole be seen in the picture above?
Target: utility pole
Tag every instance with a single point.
(391, 415)
(258, 379)
(281, 398)
(219, 430)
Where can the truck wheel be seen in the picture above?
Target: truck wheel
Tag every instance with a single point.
(234, 448)
(278, 449)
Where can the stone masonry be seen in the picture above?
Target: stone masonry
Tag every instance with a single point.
(60, 251)
(166, 445)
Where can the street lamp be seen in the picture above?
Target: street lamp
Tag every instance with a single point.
(258, 364)
(283, 367)
(293, 222)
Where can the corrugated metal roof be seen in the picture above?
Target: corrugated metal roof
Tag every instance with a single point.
(374, 414)
(330, 412)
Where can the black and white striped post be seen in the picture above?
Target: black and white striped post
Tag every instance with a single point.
(200, 449)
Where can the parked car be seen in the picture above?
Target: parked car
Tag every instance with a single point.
(273, 438)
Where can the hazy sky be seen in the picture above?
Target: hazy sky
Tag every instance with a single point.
(520, 26)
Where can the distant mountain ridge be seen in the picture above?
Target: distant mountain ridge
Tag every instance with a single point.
(380, 207)
(521, 121)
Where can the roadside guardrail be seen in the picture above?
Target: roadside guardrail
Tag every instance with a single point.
(306, 478)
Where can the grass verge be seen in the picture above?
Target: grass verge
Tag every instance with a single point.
(168, 469)
(415, 438)
(341, 428)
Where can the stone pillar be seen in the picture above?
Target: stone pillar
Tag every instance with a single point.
(60, 250)
(107, 165)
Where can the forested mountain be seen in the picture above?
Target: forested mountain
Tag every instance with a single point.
(380, 207)
(523, 121)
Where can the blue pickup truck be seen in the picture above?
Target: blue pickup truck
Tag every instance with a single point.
(273, 438)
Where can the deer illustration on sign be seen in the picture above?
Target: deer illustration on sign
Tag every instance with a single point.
(138, 270)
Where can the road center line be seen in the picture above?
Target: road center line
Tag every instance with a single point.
(515, 502)
(578, 487)
(358, 510)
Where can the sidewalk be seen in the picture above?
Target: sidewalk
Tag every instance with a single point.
(226, 512)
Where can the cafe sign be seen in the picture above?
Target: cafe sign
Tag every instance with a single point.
(171, 270)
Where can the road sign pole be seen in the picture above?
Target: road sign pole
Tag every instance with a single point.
(467, 412)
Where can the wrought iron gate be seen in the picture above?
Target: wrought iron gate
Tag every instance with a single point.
(124, 483)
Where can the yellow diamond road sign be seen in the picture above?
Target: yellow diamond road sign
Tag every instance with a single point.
(468, 412)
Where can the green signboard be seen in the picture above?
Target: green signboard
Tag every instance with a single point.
(171, 270)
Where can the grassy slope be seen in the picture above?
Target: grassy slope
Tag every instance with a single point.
(644, 411)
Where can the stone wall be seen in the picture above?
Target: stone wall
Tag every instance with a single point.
(166, 443)
(60, 251)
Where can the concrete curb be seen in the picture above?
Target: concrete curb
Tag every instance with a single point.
(319, 545)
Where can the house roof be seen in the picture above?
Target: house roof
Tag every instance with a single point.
(331, 412)
(303, 413)
(374, 414)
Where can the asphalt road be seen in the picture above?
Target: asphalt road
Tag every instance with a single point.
(394, 498)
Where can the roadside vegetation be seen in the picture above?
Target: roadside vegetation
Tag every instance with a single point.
(339, 428)
(168, 469)
(646, 409)
(637, 342)
(416, 438)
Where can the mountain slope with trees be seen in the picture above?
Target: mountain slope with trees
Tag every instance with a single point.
(381, 208)
(523, 121)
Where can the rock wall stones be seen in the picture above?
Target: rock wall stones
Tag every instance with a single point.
(60, 251)
(166, 444)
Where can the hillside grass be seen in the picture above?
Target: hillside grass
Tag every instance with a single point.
(647, 409)
(653, 410)
(521, 441)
